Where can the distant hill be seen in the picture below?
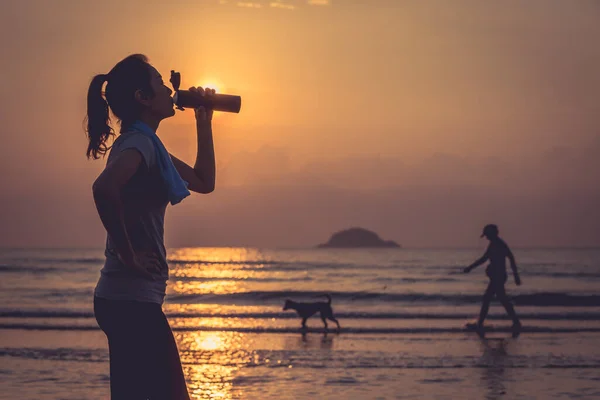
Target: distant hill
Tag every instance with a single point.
(357, 238)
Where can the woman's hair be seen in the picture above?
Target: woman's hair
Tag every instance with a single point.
(128, 76)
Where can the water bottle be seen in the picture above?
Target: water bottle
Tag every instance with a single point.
(217, 102)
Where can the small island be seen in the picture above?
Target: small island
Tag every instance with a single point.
(357, 238)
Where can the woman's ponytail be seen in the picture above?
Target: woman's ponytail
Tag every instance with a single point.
(131, 74)
(98, 120)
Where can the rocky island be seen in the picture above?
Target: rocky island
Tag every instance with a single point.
(357, 238)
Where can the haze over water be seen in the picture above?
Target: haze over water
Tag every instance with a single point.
(420, 120)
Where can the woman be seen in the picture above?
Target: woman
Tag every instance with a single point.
(131, 196)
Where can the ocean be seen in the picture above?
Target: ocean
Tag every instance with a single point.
(402, 313)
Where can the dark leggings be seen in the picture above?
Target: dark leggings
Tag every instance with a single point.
(144, 360)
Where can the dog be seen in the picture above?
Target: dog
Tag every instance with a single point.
(307, 310)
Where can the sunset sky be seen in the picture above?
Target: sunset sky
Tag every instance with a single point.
(421, 120)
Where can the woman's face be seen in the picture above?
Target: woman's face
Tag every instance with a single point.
(161, 105)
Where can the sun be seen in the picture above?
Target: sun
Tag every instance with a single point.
(212, 84)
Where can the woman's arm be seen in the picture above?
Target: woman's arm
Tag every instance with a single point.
(201, 178)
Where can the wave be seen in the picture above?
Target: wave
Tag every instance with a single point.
(81, 260)
(240, 279)
(177, 261)
(61, 354)
(27, 269)
(438, 273)
(280, 265)
(67, 314)
(342, 360)
(389, 280)
(382, 331)
(348, 298)
(565, 274)
(261, 297)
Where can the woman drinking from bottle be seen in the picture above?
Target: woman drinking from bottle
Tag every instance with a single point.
(131, 195)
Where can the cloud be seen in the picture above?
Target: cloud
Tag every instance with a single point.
(247, 4)
(279, 4)
(282, 5)
(557, 168)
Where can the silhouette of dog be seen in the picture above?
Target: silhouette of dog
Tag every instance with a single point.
(307, 310)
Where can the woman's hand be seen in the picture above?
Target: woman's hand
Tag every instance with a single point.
(203, 115)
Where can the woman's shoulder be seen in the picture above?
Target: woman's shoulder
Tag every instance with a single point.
(138, 141)
(134, 136)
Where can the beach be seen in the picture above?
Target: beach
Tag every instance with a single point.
(402, 314)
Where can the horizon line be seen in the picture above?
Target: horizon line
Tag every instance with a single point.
(314, 247)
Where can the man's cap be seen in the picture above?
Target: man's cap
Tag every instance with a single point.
(490, 230)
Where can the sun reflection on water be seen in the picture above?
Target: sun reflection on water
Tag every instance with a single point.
(208, 342)
(214, 287)
(218, 255)
(210, 381)
(199, 271)
(211, 361)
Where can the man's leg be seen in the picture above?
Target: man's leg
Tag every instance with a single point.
(485, 304)
(510, 310)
